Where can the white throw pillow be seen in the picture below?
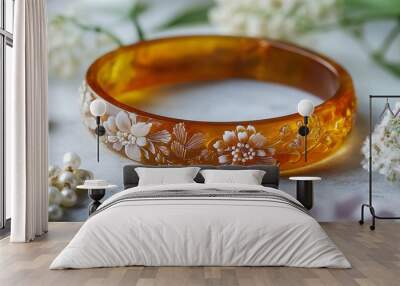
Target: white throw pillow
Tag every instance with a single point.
(248, 177)
(166, 176)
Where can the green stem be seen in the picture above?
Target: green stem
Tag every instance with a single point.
(391, 67)
(389, 39)
(379, 55)
(96, 29)
(346, 22)
(138, 29)
(379, 59)
(133, 15)
(358, 20)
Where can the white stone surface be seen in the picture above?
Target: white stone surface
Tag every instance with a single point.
(228, 100)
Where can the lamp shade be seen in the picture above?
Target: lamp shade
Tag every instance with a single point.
(98, 107)
(305, 107)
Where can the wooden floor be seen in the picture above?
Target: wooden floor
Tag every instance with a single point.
(375, 257)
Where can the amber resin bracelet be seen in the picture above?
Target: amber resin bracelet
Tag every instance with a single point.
(130, 74)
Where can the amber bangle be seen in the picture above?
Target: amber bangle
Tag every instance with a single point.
(129, 74)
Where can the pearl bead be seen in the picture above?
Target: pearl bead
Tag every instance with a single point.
(69, 197)
(54, 171)
(81, 175)
(55, 197)
(71, 160)
(55, 212)
(67, 178)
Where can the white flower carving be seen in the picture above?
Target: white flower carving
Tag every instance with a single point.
(86, 100)
(125, 132)
(243, 146)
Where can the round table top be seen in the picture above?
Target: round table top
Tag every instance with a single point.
(96, 187)
(305, 178)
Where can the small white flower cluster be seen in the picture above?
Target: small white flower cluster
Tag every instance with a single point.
(70, 47)
(281, 19)
(242, 145)
(242, 152)
(385, 147)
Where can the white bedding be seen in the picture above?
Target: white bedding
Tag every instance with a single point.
(200, 231)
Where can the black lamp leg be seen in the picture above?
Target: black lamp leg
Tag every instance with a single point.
(303, 131)
(305, 137)
(100, 131)
(98, 137)
(98, 148)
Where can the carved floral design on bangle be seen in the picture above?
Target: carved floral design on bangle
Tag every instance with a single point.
(244, 145)
(128, 74)
(144, 140)
(137, 138)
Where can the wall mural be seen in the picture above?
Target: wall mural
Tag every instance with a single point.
(123, 77)
(112, 53)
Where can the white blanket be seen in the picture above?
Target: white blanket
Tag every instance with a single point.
(192, 231)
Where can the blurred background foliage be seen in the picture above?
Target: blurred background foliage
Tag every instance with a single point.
(279, 19)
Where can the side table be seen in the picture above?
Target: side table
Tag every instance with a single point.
(96, 193)
(304, 190)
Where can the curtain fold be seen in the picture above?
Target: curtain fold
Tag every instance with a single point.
(27, 123)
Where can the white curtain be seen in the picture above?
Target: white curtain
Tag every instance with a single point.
(27, 123)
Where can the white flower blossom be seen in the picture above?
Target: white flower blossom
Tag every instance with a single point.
(385, 147)
(86, 99)
(71, 47)
(282, 19)
(125, 132)
(243, 146)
